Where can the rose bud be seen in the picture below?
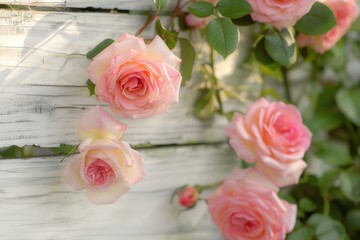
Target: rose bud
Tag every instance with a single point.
(188, 196)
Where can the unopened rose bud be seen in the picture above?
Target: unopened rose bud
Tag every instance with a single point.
(188, 196)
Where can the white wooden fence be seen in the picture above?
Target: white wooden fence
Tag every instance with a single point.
(43, 95)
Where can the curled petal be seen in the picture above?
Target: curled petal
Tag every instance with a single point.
(72, 174)
(280, 177)
(158, 50)
(133, 170)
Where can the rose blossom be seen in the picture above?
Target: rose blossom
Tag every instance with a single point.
(106, 166)
(273, 136)
(346, 12)
(135, 79)
(246, 207)
(279, 13)
(188, 196)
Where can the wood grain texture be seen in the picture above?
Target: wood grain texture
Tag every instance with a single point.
(119, 4)
(42, 79)
(48, 115)
(35, 203)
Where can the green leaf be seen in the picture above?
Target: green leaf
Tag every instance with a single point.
(348, 102)
(64, 149)
(281, 47)
(169, 37)
(243, 21)
(316, 219)
(187, 54)
(327, 120)
(160, 4)
(205, 105)
(91, 87)
(223, 36)
(261, 54)
(272, 93)
(326, 98)
(318, 21)
(272, 71)
(303, 233)
(336, 57)
(355, 26)
(330, 230)
(352, 219)
(229, 115)
(306, 205)
(234, 8)
(334, 153)
(327, 228)
(328, 179)
(350, 185)
(99, 48)
(11, 152)
(201, 9)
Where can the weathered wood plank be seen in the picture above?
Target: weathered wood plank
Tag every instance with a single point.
(119, 4)
(48, 48)
(48, 116)
(63, 32)
(34, 201)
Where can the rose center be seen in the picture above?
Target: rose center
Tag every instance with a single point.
(287, 131)
(133, 84)
(247, 226)
(100, 174)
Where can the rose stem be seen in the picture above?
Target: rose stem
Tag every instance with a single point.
(284, 74)
(215, 85)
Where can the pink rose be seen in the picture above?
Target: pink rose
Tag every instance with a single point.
(106, 166)
(273, 136)
(246, 206)
(188, 196)
(135, 79)
(281, 14)
(346, 12)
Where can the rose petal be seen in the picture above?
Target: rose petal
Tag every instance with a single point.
(158, 50)
(290, 216)
(252, 174)
(282, 178)
(109, 195)
(134, 173)
(101, 62)
(97, 124)
(72, 174)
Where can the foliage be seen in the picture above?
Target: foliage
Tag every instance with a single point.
(320, 18)
(328, 201)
